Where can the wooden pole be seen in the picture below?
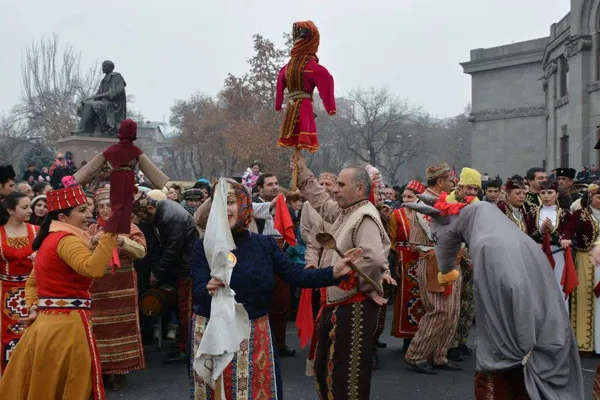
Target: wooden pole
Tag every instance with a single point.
(295, 171)
(218, 385)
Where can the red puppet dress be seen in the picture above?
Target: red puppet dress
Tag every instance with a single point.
(300, 77)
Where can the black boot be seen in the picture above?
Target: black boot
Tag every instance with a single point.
(455, 354)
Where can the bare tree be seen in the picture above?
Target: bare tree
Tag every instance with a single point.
(53, 85)
(374, 121)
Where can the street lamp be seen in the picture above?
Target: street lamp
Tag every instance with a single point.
(405, 153)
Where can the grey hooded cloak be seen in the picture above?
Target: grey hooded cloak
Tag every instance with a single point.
(520, 314)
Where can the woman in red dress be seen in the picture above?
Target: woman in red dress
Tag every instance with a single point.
(16, 238)
(115, 311)
(407, 302)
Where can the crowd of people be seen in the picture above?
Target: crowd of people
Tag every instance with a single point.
(59, 231)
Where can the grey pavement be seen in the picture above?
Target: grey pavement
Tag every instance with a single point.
(391, 382)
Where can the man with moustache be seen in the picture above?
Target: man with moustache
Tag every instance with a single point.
(437, 326)
(345, 333)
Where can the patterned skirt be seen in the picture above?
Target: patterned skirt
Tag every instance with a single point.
(12, 307)
(116, 322)
(408, 309)
(501, 385)
(344, 351)
(252, 374)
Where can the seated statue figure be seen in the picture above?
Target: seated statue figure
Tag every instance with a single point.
(102, 113)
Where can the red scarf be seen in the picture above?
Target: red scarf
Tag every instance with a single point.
(283, 221)
(569, 280)
(115, 261)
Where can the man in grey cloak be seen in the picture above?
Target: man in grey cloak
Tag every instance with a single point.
(526, 345)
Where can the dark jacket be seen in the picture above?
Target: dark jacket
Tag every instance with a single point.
(176, 234)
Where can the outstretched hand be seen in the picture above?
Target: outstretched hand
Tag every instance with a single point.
(387, 278)
(342, 267)
(379, 300)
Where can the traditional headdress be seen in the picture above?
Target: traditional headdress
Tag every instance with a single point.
(550, 184)
(435, 171)
(102, 194)
(416, 186)
(63, 199)
(566, 172)
(328, 176)
(469, 176)
(7, 173)
(515, 182)
(306, 38)
(244, 200)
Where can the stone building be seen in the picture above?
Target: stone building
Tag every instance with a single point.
(537, 103)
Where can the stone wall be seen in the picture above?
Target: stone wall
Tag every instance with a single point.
(508, 108)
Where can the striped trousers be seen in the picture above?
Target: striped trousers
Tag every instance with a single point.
(438, 326)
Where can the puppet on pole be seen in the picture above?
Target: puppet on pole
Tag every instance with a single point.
(122, 156)
(300, 76)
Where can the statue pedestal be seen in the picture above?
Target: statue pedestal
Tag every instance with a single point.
(84, 148)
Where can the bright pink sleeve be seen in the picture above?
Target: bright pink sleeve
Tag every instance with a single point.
(279, 90)
(324, 82)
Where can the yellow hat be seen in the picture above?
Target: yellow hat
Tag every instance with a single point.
(469, 176)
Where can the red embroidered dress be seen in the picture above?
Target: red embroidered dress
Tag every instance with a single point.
(407, 302)
(14, 271)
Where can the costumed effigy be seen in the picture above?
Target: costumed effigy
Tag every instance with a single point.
(526, 346)
(300, 76)
(122, 156)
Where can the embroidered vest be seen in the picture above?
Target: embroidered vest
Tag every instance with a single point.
(54, 277)
(344, 230)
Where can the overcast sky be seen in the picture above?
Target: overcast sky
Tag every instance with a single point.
(167, 50)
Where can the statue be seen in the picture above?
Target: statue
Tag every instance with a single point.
(102, 113)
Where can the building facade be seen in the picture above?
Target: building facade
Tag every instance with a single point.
(537, 103)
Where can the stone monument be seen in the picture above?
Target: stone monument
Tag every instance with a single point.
(102, 113)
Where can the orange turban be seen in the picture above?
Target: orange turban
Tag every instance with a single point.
(305, 44)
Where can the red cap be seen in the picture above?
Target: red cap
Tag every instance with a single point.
(63, 199)
(416, 186)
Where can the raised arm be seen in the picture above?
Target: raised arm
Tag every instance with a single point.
(85, 262)
(316, 195)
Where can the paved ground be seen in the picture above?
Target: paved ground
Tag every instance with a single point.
(162, 382)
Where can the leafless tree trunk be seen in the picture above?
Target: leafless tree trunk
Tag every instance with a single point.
(53, 85)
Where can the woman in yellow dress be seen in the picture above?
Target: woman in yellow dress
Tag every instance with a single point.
(57, 357)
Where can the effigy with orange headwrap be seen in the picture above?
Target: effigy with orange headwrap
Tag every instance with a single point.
(300, 76)
(123, 157)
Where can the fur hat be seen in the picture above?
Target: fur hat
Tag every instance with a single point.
(435, 171)
(470, 177)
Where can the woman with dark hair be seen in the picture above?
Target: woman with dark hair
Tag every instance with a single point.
(115, 311)
(258, 259)
(57, 356)
(206, 189)
(40, 188)
(407, 301)
(40, 210)
(585, 306)
(16, 238)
